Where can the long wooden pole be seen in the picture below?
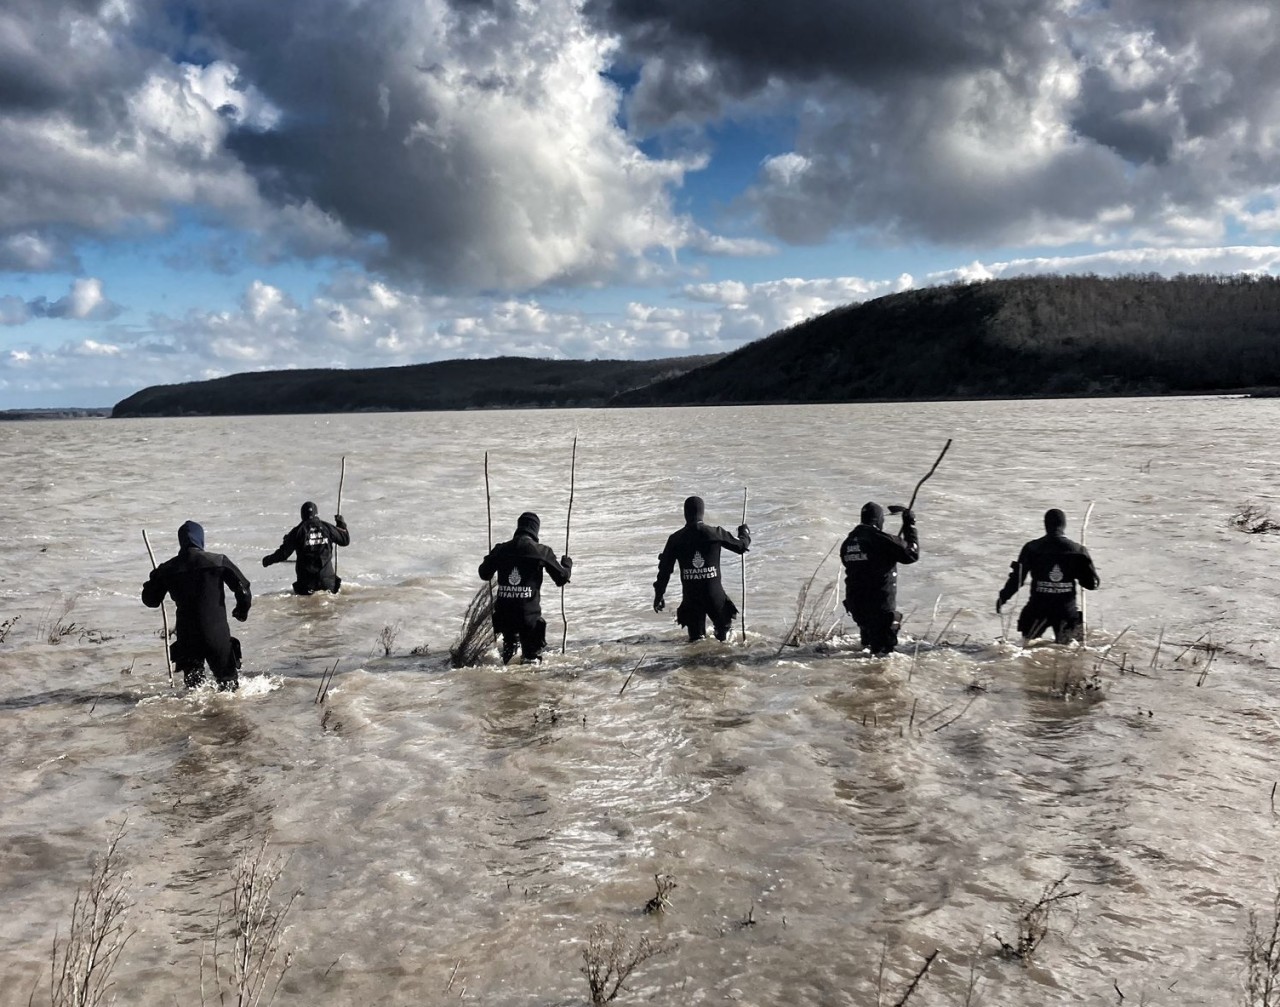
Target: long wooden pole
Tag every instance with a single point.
(744, 570)
(164, 616)
(573, 468)
(931, 471)
(488, 510)
(1084, 596)
(342, 478)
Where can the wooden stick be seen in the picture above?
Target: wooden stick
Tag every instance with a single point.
(928, 474)
(164, 616)
(573, 468)
(744, 570)
(342, 477)
(488, 508)
(1084, 595)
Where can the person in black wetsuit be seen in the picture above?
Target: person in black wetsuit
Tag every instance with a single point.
(1055, 565)
(195, 579)
(313, 540)
(871, 556)
(517, 609)
(696, 547)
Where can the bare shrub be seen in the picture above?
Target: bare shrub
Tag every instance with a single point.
(661, 901)
(1253, 518)
(477, 637)
(1262, 958)
(80, 966)
(611, 958)
(1033, 922)
(245, 963)
(387, 638)
(7, 625)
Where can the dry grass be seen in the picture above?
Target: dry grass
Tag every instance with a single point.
(661, 901)
(81, 965)
(1262, 958)
(1033, 921)
(1253, 519)
(245, 964)
(610, 959)
(476, 638)
(816, 615)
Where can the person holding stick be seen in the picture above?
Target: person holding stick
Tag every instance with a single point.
(1056, 565)
(871, 556)
(517, 609)
(696, 547)
(195, 580)
(313, 541)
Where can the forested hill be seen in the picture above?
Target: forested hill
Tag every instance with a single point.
(506, 382)
(1052, 335)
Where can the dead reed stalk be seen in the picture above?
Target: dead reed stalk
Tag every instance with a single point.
(81, 965)
(477, 637)
(1033, 923)
(245, 958)
(1262, 958)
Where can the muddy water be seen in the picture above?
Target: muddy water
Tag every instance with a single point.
(827, 818)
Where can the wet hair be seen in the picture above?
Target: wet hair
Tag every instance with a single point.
(529, 523)
(308, 511)
(873, 514)
(1055, 520)
(694, 509)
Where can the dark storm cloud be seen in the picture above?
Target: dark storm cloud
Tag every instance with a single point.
(968, 121)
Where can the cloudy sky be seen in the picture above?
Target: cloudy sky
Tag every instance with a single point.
(190, 189)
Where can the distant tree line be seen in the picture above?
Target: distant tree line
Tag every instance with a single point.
(1043, 335)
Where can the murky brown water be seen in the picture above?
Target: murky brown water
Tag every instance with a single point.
(486, 819)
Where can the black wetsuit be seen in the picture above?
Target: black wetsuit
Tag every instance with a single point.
(195, 579)
(313, 540)
(517, 606)
(1055, 564)
(871, 557)
(696, 547)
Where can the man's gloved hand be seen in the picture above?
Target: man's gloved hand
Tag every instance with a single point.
(744, 533)
(340, 522)
(566, 561)
(908, 515)
(659, 603)
(268, 560)
(240, 613)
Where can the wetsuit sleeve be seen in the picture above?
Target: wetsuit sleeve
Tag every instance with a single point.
(284, 552)
(1088, 576)
(488, 567)
(906, 545)
(1017, 574)
(153, 591)
(239, 584)
(559, 574)
(729, 540)
(338, 533)
(666, 563)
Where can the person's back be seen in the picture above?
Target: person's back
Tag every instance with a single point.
(312, 539)
(1055, 565)
(518, 566)
(696, 549)
(871, 556)
(196, 579)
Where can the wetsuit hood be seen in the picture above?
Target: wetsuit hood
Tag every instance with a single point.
(873, 514)
(1055, 522)
(528, 524)
(694, 509)
(191, 534)
(308, 511)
